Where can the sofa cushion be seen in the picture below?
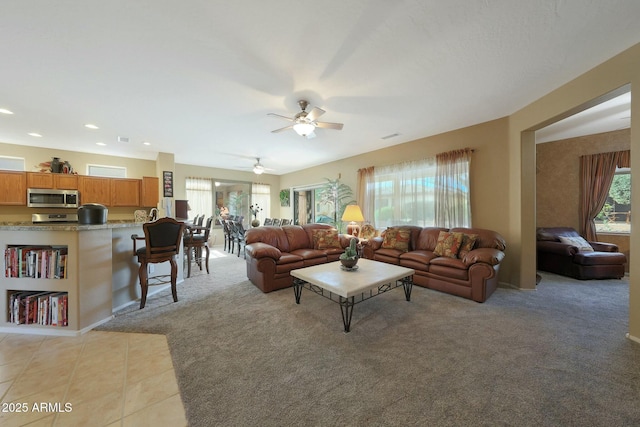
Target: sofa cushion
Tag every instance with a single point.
(600, 258)
(297, 237)
(468, 243)
(577, 241)
(448, 244)
(423, 257)
(396, 238)
(367, 232)
(428, 238)
(325, 239)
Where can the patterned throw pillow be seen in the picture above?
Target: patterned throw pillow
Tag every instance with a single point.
(367, 231)
(468, 242)
(448, 244)
(577, 241)
(396, 238)
(326, 239)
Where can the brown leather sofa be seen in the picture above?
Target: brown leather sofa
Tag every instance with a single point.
(272, 252)
(471, 274)
(579, 259)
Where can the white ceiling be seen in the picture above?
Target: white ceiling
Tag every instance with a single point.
(198, 77)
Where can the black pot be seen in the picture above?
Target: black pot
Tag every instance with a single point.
(92, 213)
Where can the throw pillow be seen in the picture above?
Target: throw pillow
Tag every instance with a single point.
(577, 241)
(468, 243)
(396, 238)
(448, 244)
(326, 239)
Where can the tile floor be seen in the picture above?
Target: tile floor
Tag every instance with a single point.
(97, 379)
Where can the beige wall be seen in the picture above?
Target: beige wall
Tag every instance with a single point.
(488, 166)
(558, 175)
(594, 86)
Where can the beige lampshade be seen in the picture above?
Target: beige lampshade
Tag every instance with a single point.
(352, 213)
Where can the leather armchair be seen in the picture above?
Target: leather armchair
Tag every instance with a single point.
(602, 261)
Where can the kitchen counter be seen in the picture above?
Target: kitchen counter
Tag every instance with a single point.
(66, 226)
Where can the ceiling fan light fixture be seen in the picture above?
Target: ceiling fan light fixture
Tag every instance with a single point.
(303, 128)
(258, 169)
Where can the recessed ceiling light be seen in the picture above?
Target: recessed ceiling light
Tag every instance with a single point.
(90, 126)
(37, 135)
(146, 143)
(102, 144)
(5, 111)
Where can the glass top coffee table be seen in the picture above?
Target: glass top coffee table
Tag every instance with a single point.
(350, 287)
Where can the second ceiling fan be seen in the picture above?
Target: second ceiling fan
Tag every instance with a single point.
(305, 122)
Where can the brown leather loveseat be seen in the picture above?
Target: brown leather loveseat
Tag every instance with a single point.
(563, 251)
(272, 252)
(441, 260)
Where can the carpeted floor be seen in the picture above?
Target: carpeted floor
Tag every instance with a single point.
(556, 356)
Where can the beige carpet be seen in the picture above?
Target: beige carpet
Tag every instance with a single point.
(557, 356)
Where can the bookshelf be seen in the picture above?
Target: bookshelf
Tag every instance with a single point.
(86, 279)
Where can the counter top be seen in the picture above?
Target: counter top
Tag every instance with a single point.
(66, 226)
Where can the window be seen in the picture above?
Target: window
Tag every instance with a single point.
(200, 196)
(428, 193)
(404, 194)
(11, 163)
(615, 216)
(261, 196)
(107, 171)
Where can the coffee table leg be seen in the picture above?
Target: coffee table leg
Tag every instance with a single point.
(346, 307)
(407, 284)
(297, 289)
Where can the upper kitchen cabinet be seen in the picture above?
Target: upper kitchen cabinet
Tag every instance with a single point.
(149, 192)
(52, 181)
(13, 188)
(95, 190)
(125, 192)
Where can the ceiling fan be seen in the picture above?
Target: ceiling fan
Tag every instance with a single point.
(258, 168)
(305, 123)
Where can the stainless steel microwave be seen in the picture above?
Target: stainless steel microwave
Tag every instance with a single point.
(45, 198)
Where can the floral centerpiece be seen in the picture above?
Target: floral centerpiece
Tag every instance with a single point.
(254, 209)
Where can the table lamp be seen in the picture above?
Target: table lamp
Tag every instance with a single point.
(353, 214)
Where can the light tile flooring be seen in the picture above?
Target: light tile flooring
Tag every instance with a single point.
(97, 379)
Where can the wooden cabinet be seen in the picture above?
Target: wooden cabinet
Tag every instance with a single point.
(13, 188)
(39, 180)
(95, 190)
(65, 182)
(52, 180)
(125, 192)
(149, 191)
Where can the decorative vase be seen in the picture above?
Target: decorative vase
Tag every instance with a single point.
(55, 165)
(349, 262)
(255, 223)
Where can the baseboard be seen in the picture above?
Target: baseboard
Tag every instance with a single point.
(512, 286)
(632, 338)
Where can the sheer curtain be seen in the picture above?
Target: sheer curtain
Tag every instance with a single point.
(200, 196)
(596, 174)
(452, 190)
(404, 194)
(261, 195)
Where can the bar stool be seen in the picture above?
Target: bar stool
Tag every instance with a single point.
(162, 243)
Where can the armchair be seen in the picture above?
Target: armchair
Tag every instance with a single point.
(563, 251)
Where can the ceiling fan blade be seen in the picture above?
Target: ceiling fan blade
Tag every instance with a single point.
(315, 113)
(282, 129)
(282, 117)
(327, 125)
